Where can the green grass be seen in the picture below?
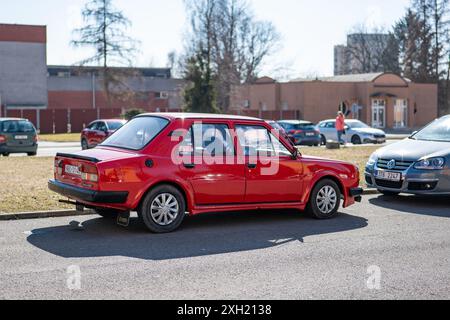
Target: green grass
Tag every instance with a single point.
(63, 137)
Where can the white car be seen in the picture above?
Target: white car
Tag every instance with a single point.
(356, 132)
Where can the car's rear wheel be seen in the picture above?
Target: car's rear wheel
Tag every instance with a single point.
(84, 144)
(5, 154)
(163, 209)
(31, 154)
(325, 200)
(356, 140)
(107, 213)
(389, 193)
(323, 140)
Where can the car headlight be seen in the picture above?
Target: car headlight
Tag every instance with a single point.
(372, 160)
(430, 164)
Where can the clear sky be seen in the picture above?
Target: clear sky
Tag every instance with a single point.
(309, 28)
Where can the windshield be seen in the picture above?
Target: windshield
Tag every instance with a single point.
(137, 133)
(16, 126)
(115, 125)
(357, 125)
(438, 130)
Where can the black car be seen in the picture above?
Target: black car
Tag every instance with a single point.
(17, 136)
(302, 133)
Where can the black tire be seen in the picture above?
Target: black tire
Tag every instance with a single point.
(389, 193)
(107, 213)
(84, 144)
(313, 207)
(32, 154)
(356, 140)
(5, 154)
(145, 210)
(323, 140)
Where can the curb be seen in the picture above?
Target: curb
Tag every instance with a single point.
(73, 213)
(43, 214)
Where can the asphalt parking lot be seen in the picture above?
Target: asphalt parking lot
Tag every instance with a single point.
(403, 242)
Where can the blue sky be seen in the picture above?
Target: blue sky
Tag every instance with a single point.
(309, 28)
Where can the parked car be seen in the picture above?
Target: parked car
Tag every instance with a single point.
(356, 132)
(301, 132)
(419, 164)
(96, 132)
(156, 165)
(17, 136)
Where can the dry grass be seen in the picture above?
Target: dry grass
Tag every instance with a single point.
(357, 156)
(24, 185)
(63, 137)
(25, 179)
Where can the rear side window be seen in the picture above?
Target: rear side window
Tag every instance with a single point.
(15, 126)
(257, 141)
(137, 133)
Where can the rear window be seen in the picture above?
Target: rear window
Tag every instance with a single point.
(137, 133)
(17, 126)
(300, 126)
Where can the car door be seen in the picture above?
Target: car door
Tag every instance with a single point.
(210, 164)
(101, 133)
(90, 133)
(330, 131)
(272, 175)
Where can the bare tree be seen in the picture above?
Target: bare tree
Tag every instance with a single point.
(104, 32)
(373, 50)
(235, 43)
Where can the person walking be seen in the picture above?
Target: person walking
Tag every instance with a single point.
(340, 127)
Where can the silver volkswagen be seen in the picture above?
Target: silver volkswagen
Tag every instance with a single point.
(419, 164)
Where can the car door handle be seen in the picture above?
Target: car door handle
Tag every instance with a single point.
(251, 165)
(189, 165)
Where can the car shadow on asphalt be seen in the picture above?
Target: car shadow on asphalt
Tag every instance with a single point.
(437, 206)
(203, 235)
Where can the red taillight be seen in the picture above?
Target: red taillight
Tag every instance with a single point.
(295, 131)
(58, 166)
(89, 173)
(36, 138)
(2, 139)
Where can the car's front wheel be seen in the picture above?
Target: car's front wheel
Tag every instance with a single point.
(84, 144)
(163, 209)
(323, 140)
(325, 200)
(5, 154)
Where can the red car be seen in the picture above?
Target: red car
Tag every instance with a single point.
(166, 165)
(96, 132)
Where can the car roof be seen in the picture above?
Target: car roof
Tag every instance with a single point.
(294, 121)
(181, 115)
(13, 119)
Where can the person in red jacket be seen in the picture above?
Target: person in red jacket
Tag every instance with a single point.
(340, 127)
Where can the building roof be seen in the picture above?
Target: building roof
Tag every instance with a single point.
(181, 115)
(55, 71)
(365, 77)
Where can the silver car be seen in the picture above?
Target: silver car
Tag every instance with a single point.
(356, 132)
(417, 165)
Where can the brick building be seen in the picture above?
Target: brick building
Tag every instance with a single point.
(66, 98)
(383, 100)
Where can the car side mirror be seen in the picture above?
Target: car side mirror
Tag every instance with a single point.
(295, 154)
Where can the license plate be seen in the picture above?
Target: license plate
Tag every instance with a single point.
(389, 176)
(73, 170)
(21, 137)
(309, 134)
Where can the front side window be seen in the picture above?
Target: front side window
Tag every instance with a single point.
(102, 126)
(438, 130)
(257, 141)
(137, 133)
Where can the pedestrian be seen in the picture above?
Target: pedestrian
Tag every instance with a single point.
(340, 127)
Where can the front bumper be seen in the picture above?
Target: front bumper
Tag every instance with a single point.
(418, 182)
(90, 196)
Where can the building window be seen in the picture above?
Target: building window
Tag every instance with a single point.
(400, 113)
(162, 95)
(246, 104)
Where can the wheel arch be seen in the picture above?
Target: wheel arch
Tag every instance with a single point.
(329, 176)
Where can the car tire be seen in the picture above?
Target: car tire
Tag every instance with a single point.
(356, 140)
(32, 154)
(163, 209)
(389, 193)
(84, 144)
(5, 154)
(107, 213)
(325, 200)
(323, 140)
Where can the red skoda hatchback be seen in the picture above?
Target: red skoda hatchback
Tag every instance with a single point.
(166, 165)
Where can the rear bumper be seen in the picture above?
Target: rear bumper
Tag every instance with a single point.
(80, 194)
(307, 141)
(18, 149)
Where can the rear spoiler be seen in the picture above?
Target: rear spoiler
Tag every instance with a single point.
(74, 156)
